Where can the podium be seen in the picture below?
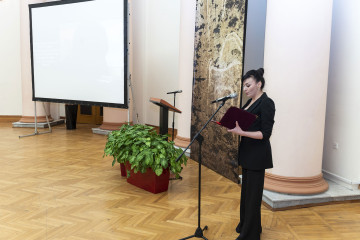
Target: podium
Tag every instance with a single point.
(165, 107)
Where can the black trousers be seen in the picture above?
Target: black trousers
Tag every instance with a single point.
(250, 204)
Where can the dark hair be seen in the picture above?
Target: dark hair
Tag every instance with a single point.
(257, 75)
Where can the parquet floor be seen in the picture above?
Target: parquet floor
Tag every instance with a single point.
(58, 186)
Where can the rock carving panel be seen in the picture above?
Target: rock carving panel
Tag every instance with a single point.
(219, 33)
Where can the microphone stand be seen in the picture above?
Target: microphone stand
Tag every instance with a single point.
(173, 127)
(199, 233)
(173, 122)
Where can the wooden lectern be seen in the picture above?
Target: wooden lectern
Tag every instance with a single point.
(164, 113)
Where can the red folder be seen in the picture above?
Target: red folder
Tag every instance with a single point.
(233, 114)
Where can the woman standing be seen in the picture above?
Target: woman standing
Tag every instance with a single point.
(255, 153)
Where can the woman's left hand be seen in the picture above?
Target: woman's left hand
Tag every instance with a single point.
(237, 130)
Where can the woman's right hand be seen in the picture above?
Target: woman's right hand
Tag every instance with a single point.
(237, 130)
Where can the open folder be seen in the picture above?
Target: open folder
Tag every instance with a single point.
(233, 114)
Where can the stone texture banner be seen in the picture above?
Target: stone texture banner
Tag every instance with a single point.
(219, 38)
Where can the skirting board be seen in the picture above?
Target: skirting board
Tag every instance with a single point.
(352, 185)
(9, 118)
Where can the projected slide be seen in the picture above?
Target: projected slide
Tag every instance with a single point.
(79, 52)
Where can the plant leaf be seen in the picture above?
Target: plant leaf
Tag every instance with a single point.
(164, 163)
(158, 171)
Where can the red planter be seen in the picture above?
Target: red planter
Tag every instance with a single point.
(123, 170)
(149, 181)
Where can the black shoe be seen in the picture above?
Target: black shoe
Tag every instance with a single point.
(238, 229)
(239, 237)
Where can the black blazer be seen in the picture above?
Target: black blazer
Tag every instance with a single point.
(255, 154)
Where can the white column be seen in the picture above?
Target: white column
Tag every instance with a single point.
(296, 63)
(186, 69)
(26, 79)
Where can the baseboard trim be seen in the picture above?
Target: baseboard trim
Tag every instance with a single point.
(349, 184)
(182, 142)
(31, 119)
(111, 126)
(9, 118)
(157, 128)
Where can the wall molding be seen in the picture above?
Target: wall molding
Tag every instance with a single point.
(111, 126)
(9, 118)
(39, 119)
(182, 141)
(352, 185)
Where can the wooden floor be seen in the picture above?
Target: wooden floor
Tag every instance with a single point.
(58, 186)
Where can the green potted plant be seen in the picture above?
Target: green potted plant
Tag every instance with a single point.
(148, 156)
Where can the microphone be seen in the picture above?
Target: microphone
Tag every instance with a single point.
(178, 91)
(233, 95)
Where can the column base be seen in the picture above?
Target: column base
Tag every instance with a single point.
(112, 126)
(181, 141)
(31, 119)
(295, 185)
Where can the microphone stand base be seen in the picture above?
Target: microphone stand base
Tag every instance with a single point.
(199, 233)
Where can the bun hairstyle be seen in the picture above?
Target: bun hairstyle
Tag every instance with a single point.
(257, 75)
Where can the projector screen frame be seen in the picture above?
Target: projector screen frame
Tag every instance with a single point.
(125, 105)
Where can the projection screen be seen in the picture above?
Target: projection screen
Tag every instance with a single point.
(79, 52)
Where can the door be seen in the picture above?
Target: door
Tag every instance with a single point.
(90, 114)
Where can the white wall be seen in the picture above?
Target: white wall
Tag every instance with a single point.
(156, 25)
(10, 65)
(343, 102)
(138, 13)
(255, 35)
